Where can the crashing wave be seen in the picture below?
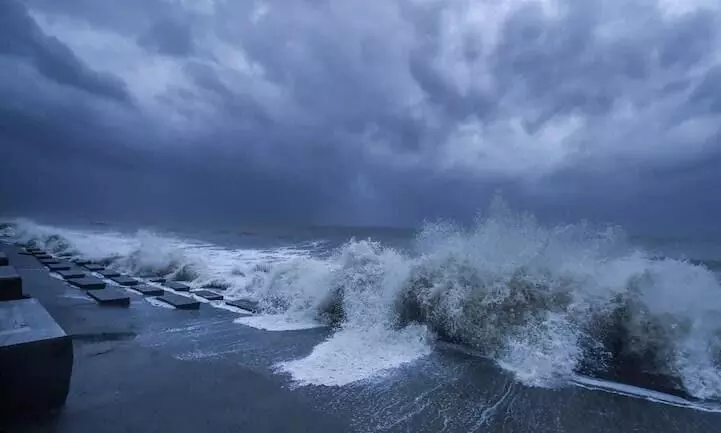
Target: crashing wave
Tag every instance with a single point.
(545, 302)
(148, 253)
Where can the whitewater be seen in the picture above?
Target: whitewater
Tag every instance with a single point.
(545, 303)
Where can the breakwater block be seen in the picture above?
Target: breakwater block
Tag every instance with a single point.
(245, 304)
(207, 294)
(82, 262)
(180, 287)
(62, 266)
(180, 302)
(149, 290)
(94, 267)
(11, 286)
(36, 361)
(88, 283)
(124, 280)
(42, 255)
(49, 261)
(107, 273)
(71, 273)
(4, 259)
(110, 297)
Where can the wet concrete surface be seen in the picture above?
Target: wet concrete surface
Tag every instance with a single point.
(152, 369)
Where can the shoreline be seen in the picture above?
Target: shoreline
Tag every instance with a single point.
(134, 369)
(147, 368)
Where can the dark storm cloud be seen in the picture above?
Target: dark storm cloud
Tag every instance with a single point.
(20, 37)
(380, 112)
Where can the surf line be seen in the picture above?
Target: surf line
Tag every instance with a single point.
(593, 384)
(641, 393)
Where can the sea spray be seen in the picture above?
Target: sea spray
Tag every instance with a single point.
(545, 302)
(145, 252)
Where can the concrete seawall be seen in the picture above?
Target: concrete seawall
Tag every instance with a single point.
(36, 355)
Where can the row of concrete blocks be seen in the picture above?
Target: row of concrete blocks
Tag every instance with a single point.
(36, 355)
(109, 296)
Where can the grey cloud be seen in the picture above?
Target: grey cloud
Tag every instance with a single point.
(392, 112)
(707, 96)
(130, 17)
(566, 68)
(21, 37)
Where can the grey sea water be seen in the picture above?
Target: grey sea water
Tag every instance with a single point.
(504, 325)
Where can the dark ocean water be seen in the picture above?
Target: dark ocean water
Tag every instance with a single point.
(551, 308)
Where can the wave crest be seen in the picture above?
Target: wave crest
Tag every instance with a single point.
(544, 302)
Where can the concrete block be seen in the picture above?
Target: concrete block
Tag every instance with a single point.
(82, 262)
(149, 290)
(110, 297)
(177, 286)
(11, 285)
(71, 273)
(156, 279)
(215, 286)
(62, 266)
(43, 256)
(207, 294)
(180, 302)
(107, 273)
(94, 267)
(245, 304)
(4, 259)
(32, 250)
(124, 280)
(36, 361)
(49, 261)
(88, 283)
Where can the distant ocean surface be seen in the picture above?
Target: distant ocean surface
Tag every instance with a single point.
(551, 305)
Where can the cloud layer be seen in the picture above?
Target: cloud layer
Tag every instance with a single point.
(377, 112)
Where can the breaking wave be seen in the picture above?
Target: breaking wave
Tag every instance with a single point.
(148, 253)
(545, 303)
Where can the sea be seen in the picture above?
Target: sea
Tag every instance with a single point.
(552, 308)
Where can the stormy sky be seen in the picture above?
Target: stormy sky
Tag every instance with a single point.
(376, 112)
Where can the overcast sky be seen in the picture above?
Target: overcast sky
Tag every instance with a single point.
(375, 112)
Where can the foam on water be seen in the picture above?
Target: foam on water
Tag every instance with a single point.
(352, 355)
(544, 354)
(544, 302)
(280, 322)
(636, 392)
(147, 253)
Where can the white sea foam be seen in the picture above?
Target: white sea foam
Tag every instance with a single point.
(352, 355)
(146, 252)
(544, 302)
(280, 322)
(645, 394)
